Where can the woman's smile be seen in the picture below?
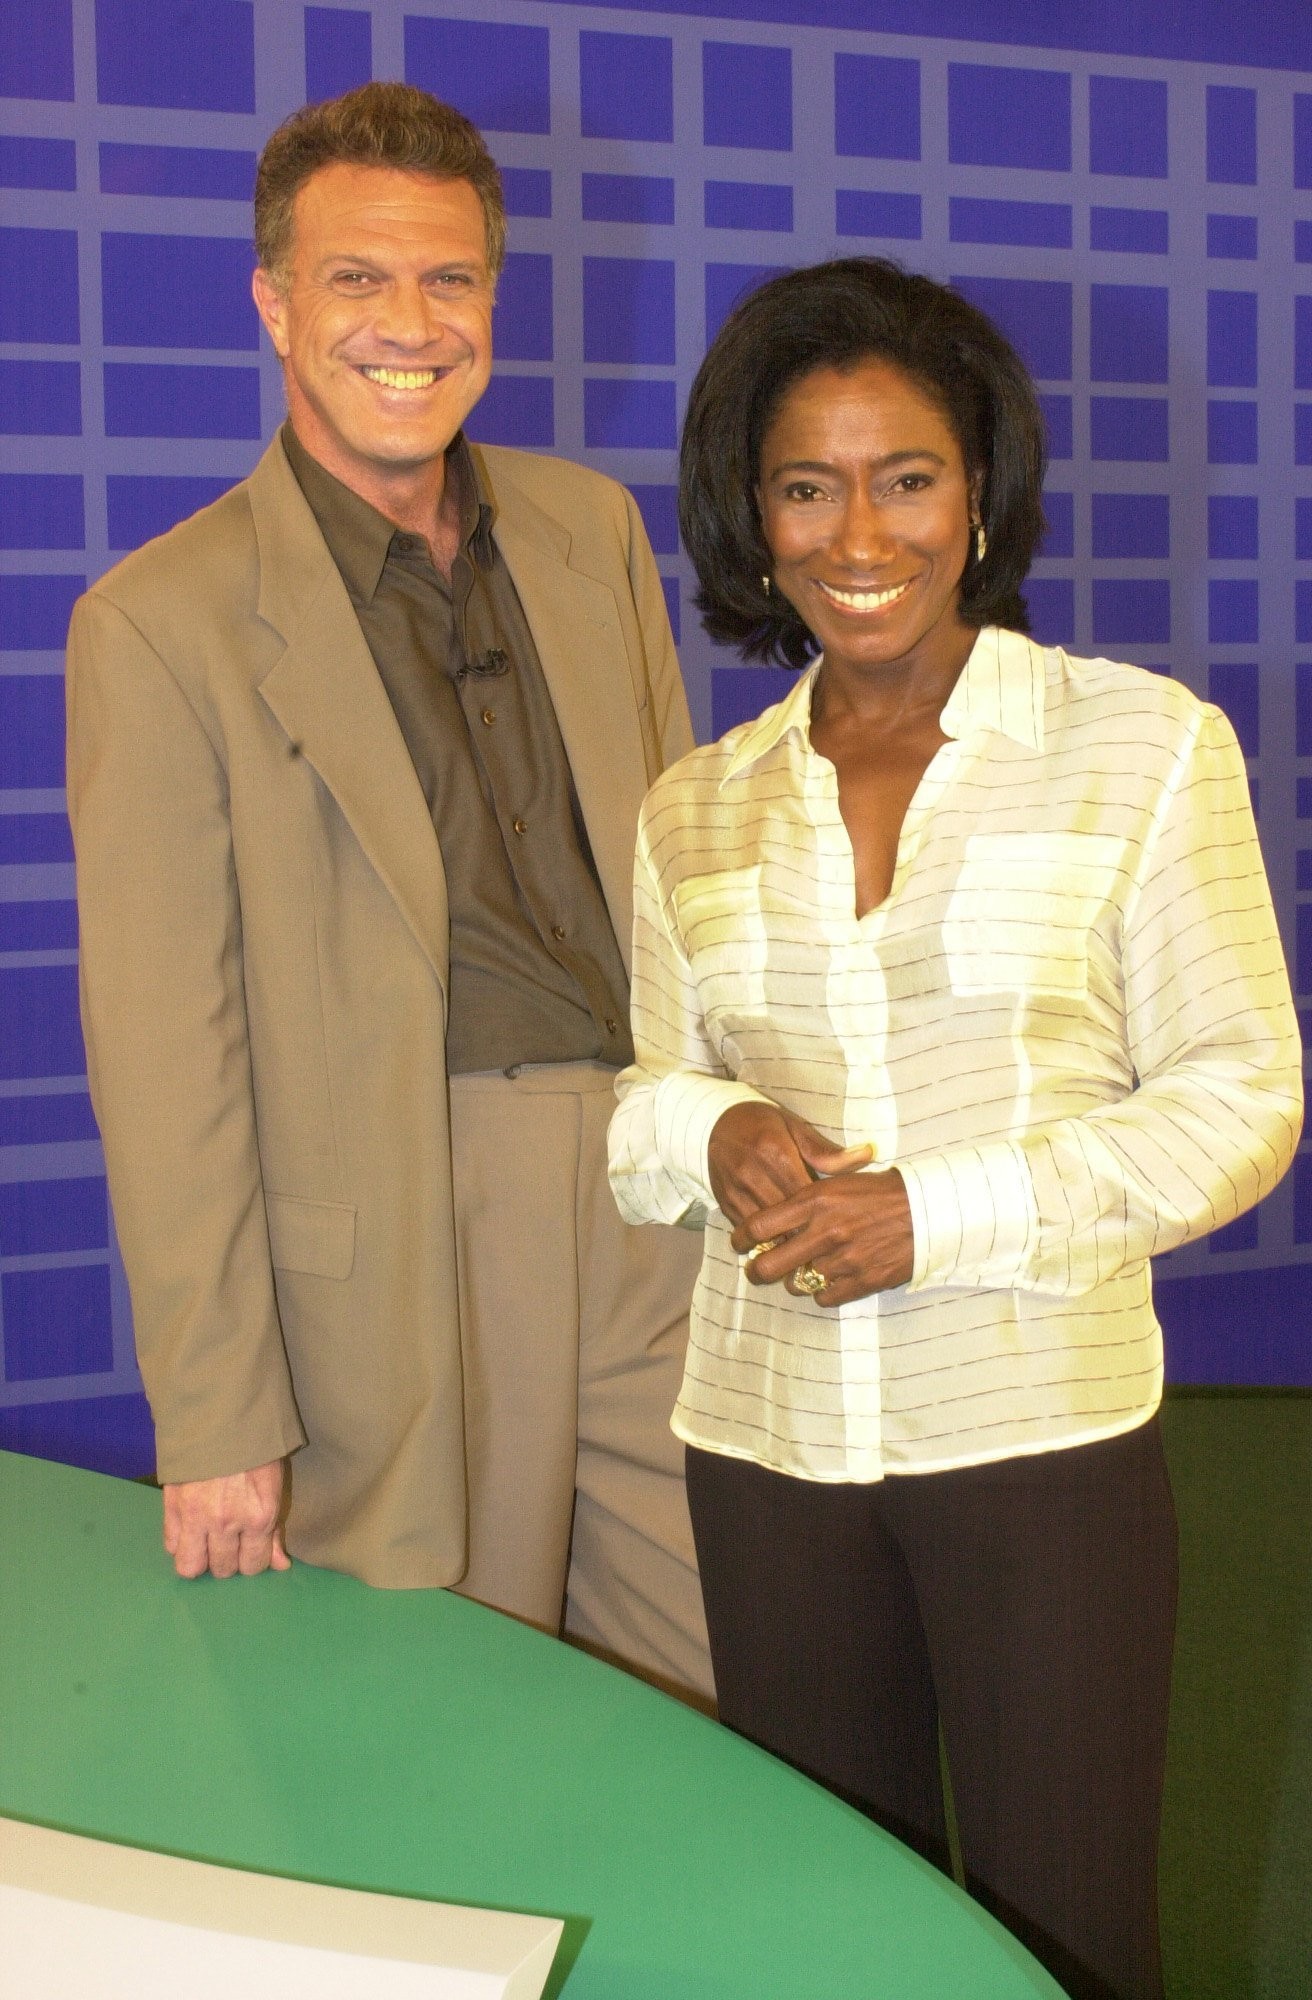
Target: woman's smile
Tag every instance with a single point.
(868, 598)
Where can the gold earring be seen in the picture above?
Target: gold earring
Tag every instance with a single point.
(765, 585)
(981, 541)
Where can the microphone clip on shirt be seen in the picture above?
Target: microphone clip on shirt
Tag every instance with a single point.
(485, 666)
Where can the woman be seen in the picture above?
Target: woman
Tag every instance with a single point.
(957, 995)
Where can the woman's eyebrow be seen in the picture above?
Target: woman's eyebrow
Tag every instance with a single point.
(826, 465)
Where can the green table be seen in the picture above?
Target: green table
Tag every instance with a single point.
(411, 1742)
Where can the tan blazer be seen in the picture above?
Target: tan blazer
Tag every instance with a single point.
(264, 962)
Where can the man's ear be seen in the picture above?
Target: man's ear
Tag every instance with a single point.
(271, 305)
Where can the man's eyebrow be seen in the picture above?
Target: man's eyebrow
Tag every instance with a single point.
(363, 261)
(357, 260)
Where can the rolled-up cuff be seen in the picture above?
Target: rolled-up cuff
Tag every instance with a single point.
(973, 1217)
(687, 1110)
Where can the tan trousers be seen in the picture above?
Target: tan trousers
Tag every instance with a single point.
(573, 1328)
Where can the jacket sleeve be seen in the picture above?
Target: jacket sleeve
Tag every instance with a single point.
(669, 701)
(163, 1013)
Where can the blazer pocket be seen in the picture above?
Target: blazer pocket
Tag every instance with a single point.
(317, 1237)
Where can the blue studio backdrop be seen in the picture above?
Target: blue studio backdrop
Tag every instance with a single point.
(1130, 198)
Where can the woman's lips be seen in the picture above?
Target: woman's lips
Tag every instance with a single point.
(862, 600)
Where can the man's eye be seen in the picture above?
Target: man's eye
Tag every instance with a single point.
(352, 281)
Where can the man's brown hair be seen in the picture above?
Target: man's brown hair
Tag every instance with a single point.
(379, 125)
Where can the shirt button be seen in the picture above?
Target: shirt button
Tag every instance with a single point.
(612, 1027)
(558, 930)
(520, 825)
(489, 717)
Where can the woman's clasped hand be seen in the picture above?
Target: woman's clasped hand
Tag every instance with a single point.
(799, 1201)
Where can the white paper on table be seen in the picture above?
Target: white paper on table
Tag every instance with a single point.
(103, 1922)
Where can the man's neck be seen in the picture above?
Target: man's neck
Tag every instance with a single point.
(434, 516)
(420, 499)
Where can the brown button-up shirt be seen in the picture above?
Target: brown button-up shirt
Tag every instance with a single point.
(536, 974)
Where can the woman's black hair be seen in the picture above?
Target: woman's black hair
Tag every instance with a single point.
(835, 316)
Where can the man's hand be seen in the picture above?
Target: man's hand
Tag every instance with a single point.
(226, 1525)
(759, 1155)
(855, 1229)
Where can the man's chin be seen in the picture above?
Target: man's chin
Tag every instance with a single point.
(400, 450)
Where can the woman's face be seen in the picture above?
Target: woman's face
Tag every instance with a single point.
(866, 509)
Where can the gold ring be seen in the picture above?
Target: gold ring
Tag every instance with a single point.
(808, 1279)
(759, 1249)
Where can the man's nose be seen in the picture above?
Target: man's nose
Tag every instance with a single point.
(407, 315)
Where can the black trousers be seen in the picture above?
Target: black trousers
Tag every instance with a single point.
(1030, 1606)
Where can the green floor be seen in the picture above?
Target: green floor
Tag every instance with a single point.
(1237, 1844)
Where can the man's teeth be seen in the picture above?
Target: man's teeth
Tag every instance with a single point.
(862, 600)
(401, 378)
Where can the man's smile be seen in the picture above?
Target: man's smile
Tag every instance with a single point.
(402, 378)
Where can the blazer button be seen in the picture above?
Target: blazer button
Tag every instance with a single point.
(558, 930)
(520, 825)
(612, 1027)
(489, 717)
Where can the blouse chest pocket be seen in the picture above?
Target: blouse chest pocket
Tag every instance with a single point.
(1019, 917)
(722, 926)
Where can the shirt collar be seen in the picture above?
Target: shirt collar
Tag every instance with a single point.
(1001, 687)
(360, 539)
(792, 716)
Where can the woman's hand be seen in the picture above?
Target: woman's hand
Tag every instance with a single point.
(759, 1155)
(854, 1229)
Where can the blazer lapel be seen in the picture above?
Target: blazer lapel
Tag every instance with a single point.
(580, 642)
(326, 693)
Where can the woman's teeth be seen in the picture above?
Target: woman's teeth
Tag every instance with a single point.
(862, 600)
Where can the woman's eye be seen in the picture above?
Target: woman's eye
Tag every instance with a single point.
(802, 490)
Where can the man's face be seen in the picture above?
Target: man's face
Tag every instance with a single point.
(384, 321)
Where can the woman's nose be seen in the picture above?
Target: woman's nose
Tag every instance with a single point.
(863, 532)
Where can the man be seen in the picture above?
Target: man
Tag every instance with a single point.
(355, 760)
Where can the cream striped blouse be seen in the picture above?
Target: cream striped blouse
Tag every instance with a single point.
(1069, 1025)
